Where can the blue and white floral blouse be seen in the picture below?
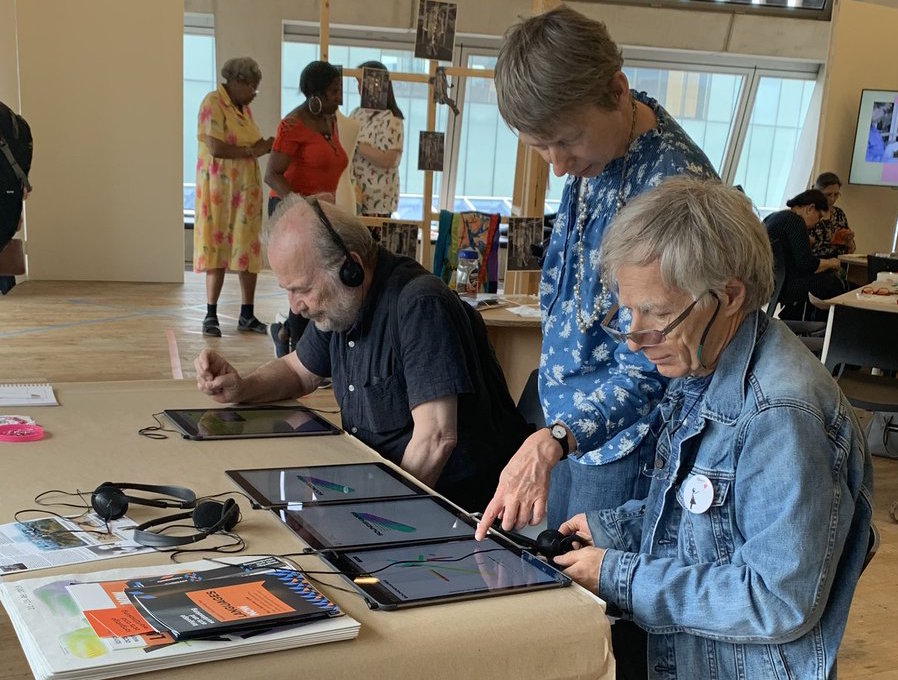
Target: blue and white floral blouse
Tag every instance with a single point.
(600, 390)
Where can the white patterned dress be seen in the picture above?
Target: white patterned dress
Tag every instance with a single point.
(377, 188)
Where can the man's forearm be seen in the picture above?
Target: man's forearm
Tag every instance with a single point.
(426, 455)
(275, 381)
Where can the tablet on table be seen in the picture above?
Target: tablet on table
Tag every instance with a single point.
(249, 422)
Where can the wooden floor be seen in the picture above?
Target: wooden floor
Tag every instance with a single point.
(71, 331)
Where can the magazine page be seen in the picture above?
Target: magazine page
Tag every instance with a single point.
(55, 541)
(84, 626)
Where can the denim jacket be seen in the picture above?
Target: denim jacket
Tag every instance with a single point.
(758, 585)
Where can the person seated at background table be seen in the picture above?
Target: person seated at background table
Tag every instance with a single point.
(412, 368)
(831, 236)
(805, 273)
(743, 559)
(307, 158)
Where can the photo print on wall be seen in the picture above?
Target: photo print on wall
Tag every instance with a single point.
(375, 88)
(400, 238)
(523, 232)
(435, 38)
(430, 151)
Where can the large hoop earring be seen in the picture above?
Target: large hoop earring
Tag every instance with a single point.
(312, 99)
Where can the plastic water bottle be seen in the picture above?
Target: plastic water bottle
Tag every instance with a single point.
(467, 276)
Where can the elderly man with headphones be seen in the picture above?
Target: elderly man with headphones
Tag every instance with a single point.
(412, 368)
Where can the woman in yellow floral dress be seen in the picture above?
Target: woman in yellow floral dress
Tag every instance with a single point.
(229, 192)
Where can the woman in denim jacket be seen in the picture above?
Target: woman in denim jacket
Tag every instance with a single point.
(743, 559)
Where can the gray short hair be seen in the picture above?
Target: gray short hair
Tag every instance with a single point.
(551, 65)
(244, 69)
(355, 235)
(703, 233)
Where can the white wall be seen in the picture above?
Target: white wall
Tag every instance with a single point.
(101, 87)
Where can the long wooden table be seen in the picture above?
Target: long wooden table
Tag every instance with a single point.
(92, 437)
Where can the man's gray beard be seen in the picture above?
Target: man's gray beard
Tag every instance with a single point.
(341, 313)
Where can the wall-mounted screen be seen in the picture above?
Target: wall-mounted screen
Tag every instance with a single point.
(875, 157)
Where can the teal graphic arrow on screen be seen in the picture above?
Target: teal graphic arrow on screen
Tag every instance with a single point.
(318, 484)
(380, 524)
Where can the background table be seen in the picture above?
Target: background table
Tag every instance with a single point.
(517, 340)
(855, 267)
(92, 437)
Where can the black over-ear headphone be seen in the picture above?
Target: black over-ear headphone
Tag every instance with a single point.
(351, 273)
(208, 517)
(110, 501)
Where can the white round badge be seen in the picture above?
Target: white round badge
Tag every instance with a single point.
(698, 494)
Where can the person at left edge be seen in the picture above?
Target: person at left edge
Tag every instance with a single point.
(412, 368)
(229, 192)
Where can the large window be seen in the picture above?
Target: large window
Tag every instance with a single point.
(712, 104)
(411, 98)
(199, 80)
(779, 111)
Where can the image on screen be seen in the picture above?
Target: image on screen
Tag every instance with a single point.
(434, 571)
(322, 484)
(371, 523)
(874, 159)
(241, 422)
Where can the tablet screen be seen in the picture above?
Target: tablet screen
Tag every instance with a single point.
(241, 422)
(371, 523)
(275, 487)
(414, 575)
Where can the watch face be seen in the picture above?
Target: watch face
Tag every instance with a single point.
(558, 432)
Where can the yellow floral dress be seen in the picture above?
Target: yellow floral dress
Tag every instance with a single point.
(228, 217)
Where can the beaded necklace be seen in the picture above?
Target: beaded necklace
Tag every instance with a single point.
(585, 323)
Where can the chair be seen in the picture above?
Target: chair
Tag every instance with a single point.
(872, 546)
(866, 338)
(880, 263)
(529, 405)
(811, 333)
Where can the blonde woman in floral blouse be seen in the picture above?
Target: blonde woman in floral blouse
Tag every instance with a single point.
(375, 165)
(831, 236)
(229, 192)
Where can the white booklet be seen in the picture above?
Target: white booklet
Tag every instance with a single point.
(57, 631)
(20, 394)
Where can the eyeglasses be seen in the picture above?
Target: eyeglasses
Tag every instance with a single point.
(648, 338)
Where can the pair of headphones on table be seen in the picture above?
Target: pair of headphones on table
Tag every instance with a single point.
(110, 502)
(351, 273)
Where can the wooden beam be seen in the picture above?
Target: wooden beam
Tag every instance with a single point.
(325, 28)
(426, 212)
(531, 179)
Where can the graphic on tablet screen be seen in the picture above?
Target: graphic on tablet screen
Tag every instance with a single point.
(380, 525)
(318, 485)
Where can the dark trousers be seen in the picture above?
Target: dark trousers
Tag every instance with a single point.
(630, 645)
(10, 213)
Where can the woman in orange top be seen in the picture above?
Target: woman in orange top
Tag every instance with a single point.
(307, 159)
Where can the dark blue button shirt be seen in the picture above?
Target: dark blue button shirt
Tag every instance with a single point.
(412, 343)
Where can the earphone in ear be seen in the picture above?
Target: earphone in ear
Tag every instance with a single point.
(208, 517)
(352, 275)
(110, 501)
